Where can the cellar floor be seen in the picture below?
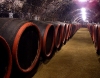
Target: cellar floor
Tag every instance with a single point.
(76, 59)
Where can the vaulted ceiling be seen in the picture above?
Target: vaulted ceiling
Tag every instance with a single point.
(52, 10)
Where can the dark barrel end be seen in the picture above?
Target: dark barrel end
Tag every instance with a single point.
(27, 47)
(48, 40)
(5, 59)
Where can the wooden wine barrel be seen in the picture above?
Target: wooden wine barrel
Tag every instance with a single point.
(64, 30)
(70, 30)
(98, 40)
(5, 59)
(95, 35)
(88, 26)
(74, 29)
(47, 33)
(67, 32)
(91, 31)
(24, 40)
(58, 34)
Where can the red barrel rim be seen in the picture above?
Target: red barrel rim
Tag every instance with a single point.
(9, 68)
(67, 28)
(15, 47)
(69, 31)
(44, 41)
(56, 32)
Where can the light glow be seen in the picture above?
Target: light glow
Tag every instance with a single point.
(83, 12)
(82, 0)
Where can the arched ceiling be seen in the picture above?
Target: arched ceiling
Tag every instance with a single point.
(52, 10)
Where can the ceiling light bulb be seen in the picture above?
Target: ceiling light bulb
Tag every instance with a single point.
(83, 12)
(82, 0)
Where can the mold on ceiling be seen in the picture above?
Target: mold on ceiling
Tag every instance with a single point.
(51, 10)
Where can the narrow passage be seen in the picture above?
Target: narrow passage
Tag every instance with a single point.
(76, 59)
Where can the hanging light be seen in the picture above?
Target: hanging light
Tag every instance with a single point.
(82, 0)
(83, 12)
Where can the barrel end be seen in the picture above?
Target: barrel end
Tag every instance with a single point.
(98, 52)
